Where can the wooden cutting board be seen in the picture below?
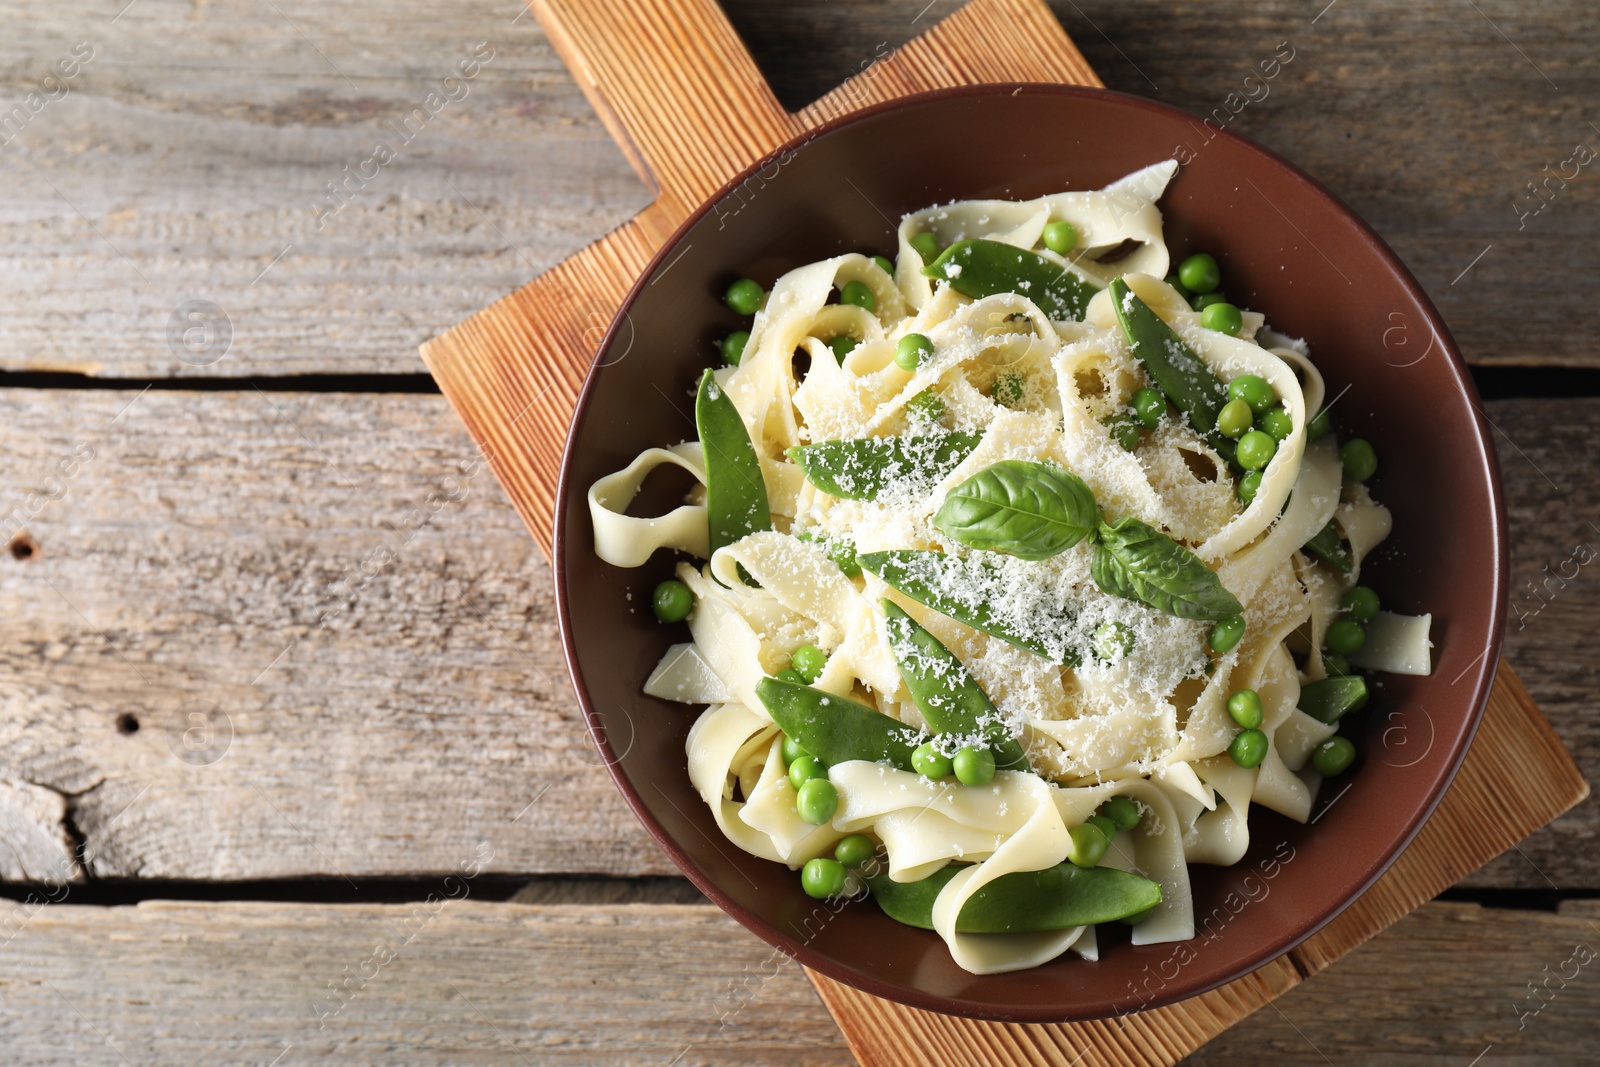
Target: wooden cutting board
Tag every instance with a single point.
(680, 94)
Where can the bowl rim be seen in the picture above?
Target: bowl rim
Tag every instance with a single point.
(1483, 669)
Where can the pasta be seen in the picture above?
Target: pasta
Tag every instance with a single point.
(1148, 606)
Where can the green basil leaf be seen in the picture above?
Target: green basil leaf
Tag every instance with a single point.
(1138, 562)
(863, 468)
(949, 697)
(975, 592)
(984, 268)
(1029, 510)
(736, 493)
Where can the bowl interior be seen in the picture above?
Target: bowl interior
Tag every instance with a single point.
(1288, 249)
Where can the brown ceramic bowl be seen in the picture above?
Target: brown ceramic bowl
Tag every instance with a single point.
(1288, 248)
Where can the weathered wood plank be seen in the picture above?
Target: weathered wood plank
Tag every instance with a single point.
(455, 981)
(204, 175)
(201, 170)
(292, 568)
(337, 642)
(1447, 984)
(449, 982)
(1548, 455)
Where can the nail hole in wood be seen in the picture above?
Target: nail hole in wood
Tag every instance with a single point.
(23, 547)
(127, 723)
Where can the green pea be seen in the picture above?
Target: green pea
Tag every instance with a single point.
(792, 750)
(1345, 637)
(1222, 317)
(1112, 640)
(1200, 273)
(1277, 423)
(912, 351)
(1255, 450)
(859, 294)
(842, 346)
(930, 762)
(816, 801)
(1088, 845)
(1249, 486)
(732, 346)
(1205, 300)
(1319, 425)
(926, 245)
(822, 878)
(1008, 389)
(1245, 707)
(1149, 404)
(745, 296)
(854, 850)
(884, 265)
(1226, 634)
(1359, 460)
(1248, 748)
(1060, 236)
(1124, 812)
(1183, 290)
(1333, 756)
(671, 601)
(926, 406)
(1253, 390)
(974, 766)
(805, 769)
(1234, 418)
(1104, 824)
(1360, 603)
(808, 661)
(1335, 665)
(790, 675)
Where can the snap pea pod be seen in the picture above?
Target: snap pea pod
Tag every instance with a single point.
(946, 693)
(1329, 700)
(984, 268)
(736, 494)
(1330, 549)
(1052, 899)
(835, 729)
(1179, 373)
(861, 468)
(971, 591)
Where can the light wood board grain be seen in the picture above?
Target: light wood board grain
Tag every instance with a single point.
(198, 137)
(461, 982)
(394, 690)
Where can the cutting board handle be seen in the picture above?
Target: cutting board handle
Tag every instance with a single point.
(674, 85)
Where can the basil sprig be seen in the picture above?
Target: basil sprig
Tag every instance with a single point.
(1136, 561)
(1030, 510)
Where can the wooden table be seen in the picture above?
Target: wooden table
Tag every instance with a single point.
(289, 767)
